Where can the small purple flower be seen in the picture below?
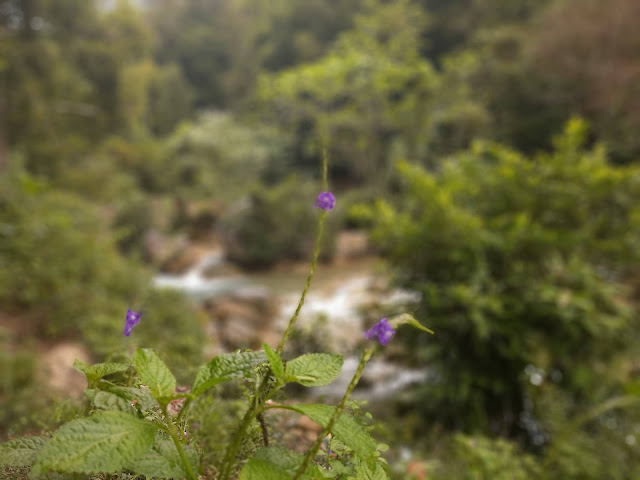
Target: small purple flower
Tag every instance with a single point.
(382, 330)
(133, 318)
(326, 201)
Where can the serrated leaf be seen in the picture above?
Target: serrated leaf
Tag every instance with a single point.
(225, 367)
(106, 442)
(363, 472)
(99, 370)
(314, 369)
(108, 401)
(20, 452)
(275, 463)
(346, 429)
(163, 460)
(140, 397)
(154, 372)
(277, 367)
(256, 469)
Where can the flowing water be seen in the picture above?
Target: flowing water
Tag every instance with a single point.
(338, 293)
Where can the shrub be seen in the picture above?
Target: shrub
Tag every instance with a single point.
(274, 225)
(518, 262)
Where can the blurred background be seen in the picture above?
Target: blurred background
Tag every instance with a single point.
(164, 156)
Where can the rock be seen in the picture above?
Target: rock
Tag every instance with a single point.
(57, 369)
(352, 244)
(159, 248)
(202, 220)
(244, 319)
(184, 258)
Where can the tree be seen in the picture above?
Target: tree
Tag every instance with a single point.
(518, 262)
(587, 51)
(370, 99)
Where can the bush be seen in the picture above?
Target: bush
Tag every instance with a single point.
(61, 266)
(275, 225)
(59, 261)
(518, 261)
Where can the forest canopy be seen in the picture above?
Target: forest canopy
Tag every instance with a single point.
(488, 148)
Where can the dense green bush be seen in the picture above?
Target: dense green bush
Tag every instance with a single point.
(518, 262)
(275, 225)
(217, 156)
(58, 259)
(478, 457)
(61, 266)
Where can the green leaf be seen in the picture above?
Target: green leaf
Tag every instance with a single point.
(20, 452)
(140, 397)
(363, 472)
(154, 373)
(108, 401)
(314, 369)
(106, 442)
(346, 429)
(99, 370)
(163, 460)
(256, 469)
(225, 367)
(277, 367)
(274, 463)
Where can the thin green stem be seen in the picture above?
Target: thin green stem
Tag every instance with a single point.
(325, 166)
(366, 355)
(257, 405)
(175, 436)
(316, 253)
(185, 407)
(255, 409)
(314, 261)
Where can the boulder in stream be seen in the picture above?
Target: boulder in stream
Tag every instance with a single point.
(245, 319)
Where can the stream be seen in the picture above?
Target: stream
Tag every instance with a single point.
(338, 292)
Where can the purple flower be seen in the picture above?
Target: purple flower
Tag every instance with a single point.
(133, 318)
(326, 201)
(382, 330)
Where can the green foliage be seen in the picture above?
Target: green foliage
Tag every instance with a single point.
(217, 156)
(21, 452)
(481, 458)
(271, 463)
(154, 373)
(181, 341)
(132, 222)
(105, 442)
(314, 369)
(129, 426)
(95, 372)
(591, 443)
(516, 261)
(346, 429)
(275, 226)
(602, 86)
(84, 74)
(17, 384)
(226, 367)
(221, 47)
(275, 362)
(373, 98)
(58, 261)
(163, 460)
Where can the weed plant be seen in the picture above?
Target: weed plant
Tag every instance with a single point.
(140, 422)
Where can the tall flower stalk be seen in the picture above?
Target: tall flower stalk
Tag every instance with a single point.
(326, 201)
